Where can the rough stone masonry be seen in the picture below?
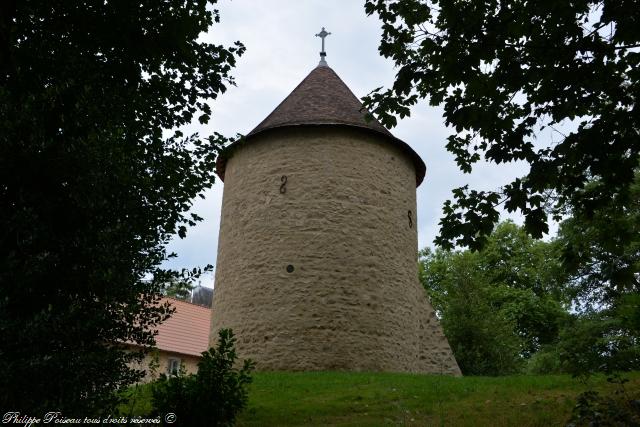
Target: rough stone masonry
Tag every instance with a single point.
(317, 253)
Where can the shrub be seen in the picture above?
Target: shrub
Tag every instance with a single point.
(617, 409)
(212, 397)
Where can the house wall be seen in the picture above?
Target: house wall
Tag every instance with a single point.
(161, 359)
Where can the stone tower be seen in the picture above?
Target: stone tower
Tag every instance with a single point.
(317, 253)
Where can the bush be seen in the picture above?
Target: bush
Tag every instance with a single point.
(212, 397)
(618, 409)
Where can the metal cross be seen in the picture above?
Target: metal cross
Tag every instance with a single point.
(322, 34)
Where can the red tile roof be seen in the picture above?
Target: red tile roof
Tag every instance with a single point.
(322, 99)
(187, 330)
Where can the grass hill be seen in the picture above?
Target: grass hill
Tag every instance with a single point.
(386, 399)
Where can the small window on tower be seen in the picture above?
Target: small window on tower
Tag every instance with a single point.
(173, 367)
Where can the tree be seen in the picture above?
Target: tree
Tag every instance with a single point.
(503, 72)
(601, 252)
(482, 338)
(601, 255)
(603, 341)
(528, 283)
(95, 178)
(501, 305)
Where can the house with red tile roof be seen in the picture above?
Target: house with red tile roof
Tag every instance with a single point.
(180, 340)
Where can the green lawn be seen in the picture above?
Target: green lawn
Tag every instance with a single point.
(380, 399)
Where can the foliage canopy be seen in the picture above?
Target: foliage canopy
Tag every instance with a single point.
(601, 252)
(94, 181)
(503, 72)
(517, 305)
(498, 306)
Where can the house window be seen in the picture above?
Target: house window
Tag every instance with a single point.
(174, 366)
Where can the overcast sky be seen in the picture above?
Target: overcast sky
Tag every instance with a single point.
(281, 51)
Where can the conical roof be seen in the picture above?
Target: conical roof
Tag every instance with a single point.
(323, 99)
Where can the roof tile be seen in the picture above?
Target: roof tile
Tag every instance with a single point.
(321, 98)
(186, 331)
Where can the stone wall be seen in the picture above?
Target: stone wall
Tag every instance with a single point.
(321, 273)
